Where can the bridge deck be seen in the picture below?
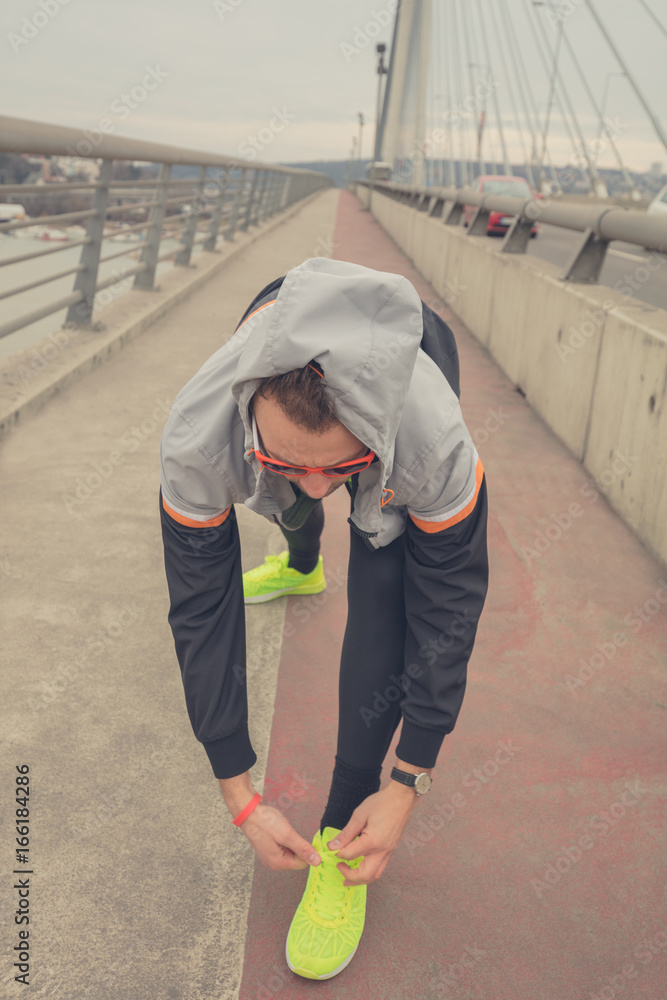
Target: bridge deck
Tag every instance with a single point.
(533, 874)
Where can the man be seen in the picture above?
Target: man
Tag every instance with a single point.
(337, 375)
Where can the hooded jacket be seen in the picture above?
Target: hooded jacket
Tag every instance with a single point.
(367, 331)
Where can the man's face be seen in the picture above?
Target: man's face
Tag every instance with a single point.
(285, 441)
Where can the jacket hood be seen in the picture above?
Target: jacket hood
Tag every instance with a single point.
(362, 326)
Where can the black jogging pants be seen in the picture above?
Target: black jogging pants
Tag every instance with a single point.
(372, 655)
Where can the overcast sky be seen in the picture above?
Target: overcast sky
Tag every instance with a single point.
(226, 68)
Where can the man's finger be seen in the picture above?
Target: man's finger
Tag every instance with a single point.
(365, 873)
(302, 848)
(353, 849)
(347, 834)
(290, 862)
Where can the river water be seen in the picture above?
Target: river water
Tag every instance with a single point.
(14, 275)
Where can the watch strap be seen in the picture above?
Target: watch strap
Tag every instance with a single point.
(404, 777)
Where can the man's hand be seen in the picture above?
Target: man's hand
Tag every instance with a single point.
(380, 821)
(276, 842)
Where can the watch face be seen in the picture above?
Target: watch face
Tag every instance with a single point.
(423, 783)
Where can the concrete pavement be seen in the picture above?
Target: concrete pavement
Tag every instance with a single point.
(141, 883)
(532, 871)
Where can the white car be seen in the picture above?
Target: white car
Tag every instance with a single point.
(659, 204)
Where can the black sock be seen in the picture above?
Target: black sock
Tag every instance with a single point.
(303, 562)
(349, 787)
(302, 531)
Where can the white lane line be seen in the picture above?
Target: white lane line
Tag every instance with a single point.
(628, 256)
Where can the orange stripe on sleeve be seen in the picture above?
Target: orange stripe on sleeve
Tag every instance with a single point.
(191, 523)
(433, 526)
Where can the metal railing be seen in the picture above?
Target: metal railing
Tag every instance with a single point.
(227, 195)
(600, 226)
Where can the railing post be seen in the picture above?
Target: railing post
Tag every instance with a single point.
(270, 196)
(216, 215)
(517, 236)
(587, 259)
(258, 215)
(236, 205)
(182, 258)
(452, 213)
(81, 313)
(251, 202)
(282, 201)
(146, 278)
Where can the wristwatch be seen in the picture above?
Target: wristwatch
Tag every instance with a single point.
(420, 782)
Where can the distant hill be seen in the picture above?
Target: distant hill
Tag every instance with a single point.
(648, 184)
(336, 169)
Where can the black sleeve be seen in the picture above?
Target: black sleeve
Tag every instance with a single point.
(446, 581)
(207, 619)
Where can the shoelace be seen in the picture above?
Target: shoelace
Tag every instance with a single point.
(269, 567)
(330, 893)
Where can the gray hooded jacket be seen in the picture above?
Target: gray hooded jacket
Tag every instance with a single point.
(364, 329)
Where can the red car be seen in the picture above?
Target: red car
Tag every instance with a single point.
(504, 184)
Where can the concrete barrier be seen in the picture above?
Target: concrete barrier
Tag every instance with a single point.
(589, 359)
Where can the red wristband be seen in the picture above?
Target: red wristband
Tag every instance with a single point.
(248, 809)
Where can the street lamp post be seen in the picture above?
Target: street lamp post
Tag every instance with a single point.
(380, 48)
(603, 107)
(349, 173)
(482, 118)
(360, 115)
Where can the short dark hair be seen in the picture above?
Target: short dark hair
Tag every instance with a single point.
(302, 396)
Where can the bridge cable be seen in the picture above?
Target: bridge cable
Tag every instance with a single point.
(598, 111)
(651, 14)
(496, 104)
(524, 87)
(496, 29)
(546, 55)
(654, 120)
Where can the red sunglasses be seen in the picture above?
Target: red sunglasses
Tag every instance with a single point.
(283, 469)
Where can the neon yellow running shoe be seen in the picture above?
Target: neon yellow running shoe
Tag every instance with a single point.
(276, 579)
(327, 926)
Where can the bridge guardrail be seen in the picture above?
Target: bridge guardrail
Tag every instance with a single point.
(242, 194)
(600, 226)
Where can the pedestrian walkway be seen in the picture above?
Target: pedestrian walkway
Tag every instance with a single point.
(531, 871)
